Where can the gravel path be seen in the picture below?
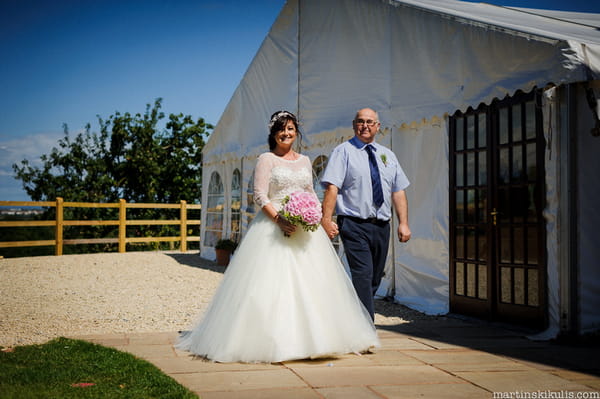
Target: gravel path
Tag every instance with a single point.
(42, 298)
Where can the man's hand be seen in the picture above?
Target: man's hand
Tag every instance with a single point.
(403, 232)
(401, 208)
(330, 227)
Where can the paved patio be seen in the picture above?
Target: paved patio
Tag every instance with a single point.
(442, 358)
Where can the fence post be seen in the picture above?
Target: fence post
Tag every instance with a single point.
(58, 234)
(122, 225)
(183, 229)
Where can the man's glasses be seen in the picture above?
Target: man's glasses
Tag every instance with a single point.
(368, 122)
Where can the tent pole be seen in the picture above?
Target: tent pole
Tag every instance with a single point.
(569, 222)
(298, 36)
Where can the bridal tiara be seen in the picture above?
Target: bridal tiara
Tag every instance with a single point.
(279, 115)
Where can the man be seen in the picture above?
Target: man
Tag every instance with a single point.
(363, 179)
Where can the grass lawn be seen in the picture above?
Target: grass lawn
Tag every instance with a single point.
(67, 368)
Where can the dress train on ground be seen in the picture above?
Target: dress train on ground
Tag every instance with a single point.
(282, 298)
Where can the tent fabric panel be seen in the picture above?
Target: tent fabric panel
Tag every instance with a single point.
(464, 65)
(552, 162)
(588, 189)
(579, 30)
(342, 69)
(422, 78)
(588, 54)
(421, 275)
(269, 85)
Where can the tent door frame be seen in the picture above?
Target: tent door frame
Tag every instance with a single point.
(497, 229)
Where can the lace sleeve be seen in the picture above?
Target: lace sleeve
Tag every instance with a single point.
(262, 174)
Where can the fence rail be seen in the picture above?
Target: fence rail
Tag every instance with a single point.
(59, 223)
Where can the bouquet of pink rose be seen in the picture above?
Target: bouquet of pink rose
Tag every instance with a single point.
(302, 209)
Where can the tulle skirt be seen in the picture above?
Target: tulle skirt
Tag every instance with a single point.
(282, 298)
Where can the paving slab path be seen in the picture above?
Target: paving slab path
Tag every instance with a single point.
(437, 358)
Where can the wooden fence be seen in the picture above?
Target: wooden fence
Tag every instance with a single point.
(122, 240)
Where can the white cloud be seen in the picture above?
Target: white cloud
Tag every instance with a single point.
(29, 147)
(14, 150)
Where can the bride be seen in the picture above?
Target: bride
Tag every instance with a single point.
(285, 294)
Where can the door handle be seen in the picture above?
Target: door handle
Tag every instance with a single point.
(494, 213)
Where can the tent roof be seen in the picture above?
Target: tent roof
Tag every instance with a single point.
(558, 25)
(426, 58)
(581, 18)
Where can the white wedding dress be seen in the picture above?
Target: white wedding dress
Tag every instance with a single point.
(282, 298)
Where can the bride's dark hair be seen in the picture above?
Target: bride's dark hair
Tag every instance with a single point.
(278, 122)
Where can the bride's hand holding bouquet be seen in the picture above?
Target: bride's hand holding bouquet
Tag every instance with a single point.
(302, 208)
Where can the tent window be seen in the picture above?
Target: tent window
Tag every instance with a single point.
(214, 212)
(236, 199)
(250, 211)
(318, 167)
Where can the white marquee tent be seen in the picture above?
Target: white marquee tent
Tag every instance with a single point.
(417, 63)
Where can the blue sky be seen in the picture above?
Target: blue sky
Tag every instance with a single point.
(69, 61)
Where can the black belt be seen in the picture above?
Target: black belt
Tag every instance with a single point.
(367, 220)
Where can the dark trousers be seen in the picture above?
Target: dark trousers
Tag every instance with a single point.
(366, 245)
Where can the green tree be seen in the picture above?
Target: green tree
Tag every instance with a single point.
(76, 171)
(130, 158)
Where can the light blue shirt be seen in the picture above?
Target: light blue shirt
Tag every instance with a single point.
(348, 170)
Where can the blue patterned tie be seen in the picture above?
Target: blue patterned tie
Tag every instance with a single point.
(375, 179)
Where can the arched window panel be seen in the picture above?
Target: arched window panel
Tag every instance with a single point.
(250, 210)
(236, 202)
(213, 230)
(318, 167)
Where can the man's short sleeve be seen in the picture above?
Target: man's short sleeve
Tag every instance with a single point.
(335, 172)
